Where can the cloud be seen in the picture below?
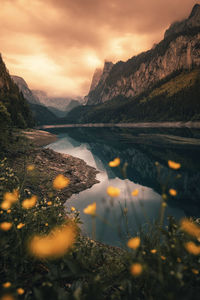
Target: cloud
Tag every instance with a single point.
(56, 45)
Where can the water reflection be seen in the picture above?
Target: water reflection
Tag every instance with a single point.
(140, 148)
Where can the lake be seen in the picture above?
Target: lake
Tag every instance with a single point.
(146, 152)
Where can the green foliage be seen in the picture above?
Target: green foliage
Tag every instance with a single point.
(91, 270)
(42, 114)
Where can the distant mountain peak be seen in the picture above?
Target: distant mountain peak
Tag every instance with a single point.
(195, 11)
(192, 21)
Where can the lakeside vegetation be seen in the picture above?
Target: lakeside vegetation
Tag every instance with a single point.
(44, 255)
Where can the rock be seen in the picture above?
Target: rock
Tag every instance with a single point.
(48, 164)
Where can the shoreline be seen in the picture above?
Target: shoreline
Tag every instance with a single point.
(39, 138)
(48, 164)
(179, 124)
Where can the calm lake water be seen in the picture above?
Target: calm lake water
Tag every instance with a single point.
(140, 149)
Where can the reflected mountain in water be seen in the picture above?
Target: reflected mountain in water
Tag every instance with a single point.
(141, 148)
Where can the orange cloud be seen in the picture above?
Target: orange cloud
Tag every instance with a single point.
(56, 45)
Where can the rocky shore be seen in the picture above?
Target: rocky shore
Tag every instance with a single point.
(39, 137)
(47, 164)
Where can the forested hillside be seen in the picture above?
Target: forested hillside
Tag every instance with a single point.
(14, 109)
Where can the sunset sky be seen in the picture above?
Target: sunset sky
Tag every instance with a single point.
(55, 45)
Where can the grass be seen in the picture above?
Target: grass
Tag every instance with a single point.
(158, 264)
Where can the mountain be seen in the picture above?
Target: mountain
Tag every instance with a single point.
(95, 79)
(98, 83)
(23, 87)
(175, 98)
(61, 113)
(14, 109)
(72, 104)
(192, 21)
(178, 50)
(59, 106)
(41, 114)
(162, 84)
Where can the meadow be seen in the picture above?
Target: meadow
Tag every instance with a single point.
(45, 256)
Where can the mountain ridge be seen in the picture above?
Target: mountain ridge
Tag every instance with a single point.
(178, 50)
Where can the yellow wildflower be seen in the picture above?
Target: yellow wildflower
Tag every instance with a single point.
(134, 243)
(90, 209)
(49, 203)
(11, 197)
(20, 291)
(55, 244)
(172, 192)
(6, 205)
(60, 182)
(153, 251)
(163, 257)
(7, 284)
(136, 269)
(195, 271)
(30, 202)
(174, 165)
(5, 226)
(8, 211)
(164, 196)
(164, 204)
(115, 162)
(46, 224)
(190, 227)
(135, 193)
(20, 225)
(30, 167)
(192, 248)
(73, 208)
(113, 191)
(7, 297)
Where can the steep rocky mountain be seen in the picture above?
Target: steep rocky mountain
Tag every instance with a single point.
(41, 114)
(95, 79)
(23, 87)
(14, 109)
(98, 83)
(192, 21)
(180, 49)
(175, 98)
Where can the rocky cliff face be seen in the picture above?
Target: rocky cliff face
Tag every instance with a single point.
(95, 79)
(98, 82)
(180, 49)
(23, 87)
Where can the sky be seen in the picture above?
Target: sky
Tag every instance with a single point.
(56, 45)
